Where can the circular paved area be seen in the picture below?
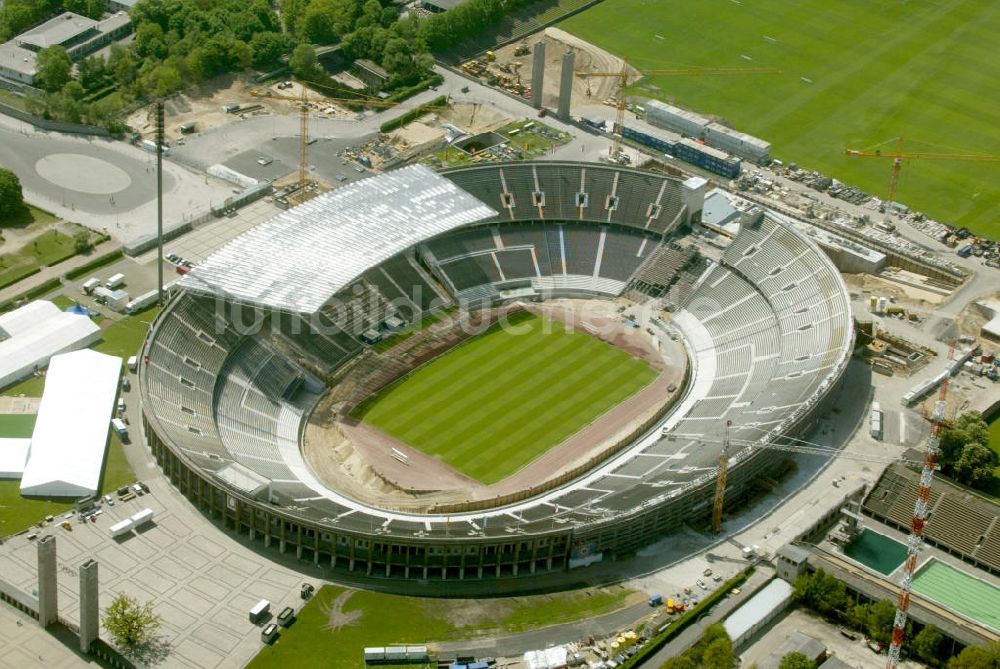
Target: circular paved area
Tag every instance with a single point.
(83, 174)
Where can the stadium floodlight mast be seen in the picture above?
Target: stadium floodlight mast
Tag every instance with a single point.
(159, 202)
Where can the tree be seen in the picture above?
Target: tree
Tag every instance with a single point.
(974, 657)
(820, 591)
(11, 197)
(976, 464)
(52, 68)
(130, 624)
(679, 662)
(881, 616)
(926, 645)
(92, 72)
(718, 654)
(81, 241)
(267, 48)
(967, 428)
(796, 660)
(303, 62)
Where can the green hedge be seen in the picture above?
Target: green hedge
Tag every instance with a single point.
(679, 624)
(97, 262)
(415, 113)
(403, 93)
(37, 291)
(18, 277)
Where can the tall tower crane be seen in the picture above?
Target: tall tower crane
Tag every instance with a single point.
(898, 155)
(916, 539)
(623, 82)
(720, 484)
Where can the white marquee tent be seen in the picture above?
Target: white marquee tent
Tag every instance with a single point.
(32, 334)
(71, 431)
(13, 455)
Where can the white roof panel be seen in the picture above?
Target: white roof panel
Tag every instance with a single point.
(71, 431)
(772, 596)
(37, 331)
(302, 257)
(13, 455)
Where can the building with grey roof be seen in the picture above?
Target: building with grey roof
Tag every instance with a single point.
(79, 35)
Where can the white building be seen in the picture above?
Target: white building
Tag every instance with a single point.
(71, 431)
(29, 336)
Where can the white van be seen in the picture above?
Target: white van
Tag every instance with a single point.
(259, 611)
(115, 281)
(121, 428)
(133, 363)
(90, 284)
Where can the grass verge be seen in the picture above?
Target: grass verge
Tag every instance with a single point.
(321, 638)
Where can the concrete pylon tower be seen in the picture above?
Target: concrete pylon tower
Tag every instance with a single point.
(89, 612)
(566, 84)
(48, 586)
(538, 75)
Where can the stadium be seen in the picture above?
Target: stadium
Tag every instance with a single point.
(379, 309)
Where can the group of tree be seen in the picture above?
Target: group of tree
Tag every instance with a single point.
(965, 453)
(467, 20)
(364, 29)
(977, 657)
(11, 197)
(714, 650)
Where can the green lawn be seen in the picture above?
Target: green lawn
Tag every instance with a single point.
(29, 387)
(17, 425)
(502, 398)
(878, 70)
(46, 249)
(18, 513)
(959, 591)
(381, 619)
(123, 337)
(994, 444)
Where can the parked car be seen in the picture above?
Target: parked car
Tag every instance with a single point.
(701, 584)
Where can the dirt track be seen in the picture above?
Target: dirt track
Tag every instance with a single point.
(357, 459)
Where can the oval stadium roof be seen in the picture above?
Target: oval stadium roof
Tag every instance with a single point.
(302, 257)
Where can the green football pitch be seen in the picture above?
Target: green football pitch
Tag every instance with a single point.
(959, 591)
(855, 74)
(17, 425)
(500, 399)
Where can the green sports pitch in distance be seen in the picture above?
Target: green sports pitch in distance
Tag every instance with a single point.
(500, 399)
(855, 74)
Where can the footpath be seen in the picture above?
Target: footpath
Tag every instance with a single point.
(57, 270)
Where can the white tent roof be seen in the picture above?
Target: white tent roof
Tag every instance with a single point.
(772, 596)
(71, 431)
(302, 257)
(37, 331)
(13, 454)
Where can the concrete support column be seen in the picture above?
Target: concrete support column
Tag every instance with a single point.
(298, 543)
(566, 85)
(537, 74)
(89, 609)
(48, 587)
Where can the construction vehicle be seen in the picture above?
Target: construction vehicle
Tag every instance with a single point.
(899, 155)
(623, 84)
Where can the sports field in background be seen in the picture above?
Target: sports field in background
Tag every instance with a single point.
(960, 592)
(878, 70)
(500, 399)
(335, 626)
(17, 425)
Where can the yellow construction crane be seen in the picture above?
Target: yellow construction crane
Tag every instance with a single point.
(304, 101)
(623, 83)
(899, 155)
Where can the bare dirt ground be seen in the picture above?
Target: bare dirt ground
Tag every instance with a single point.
(588, 57)
(357, 459)
(202, 105)
(337, 617)
(19, 404)
(912, 299)
(475, 118)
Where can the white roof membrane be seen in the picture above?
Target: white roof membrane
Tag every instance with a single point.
(302, 257)
(71, 431)
(32, 334)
